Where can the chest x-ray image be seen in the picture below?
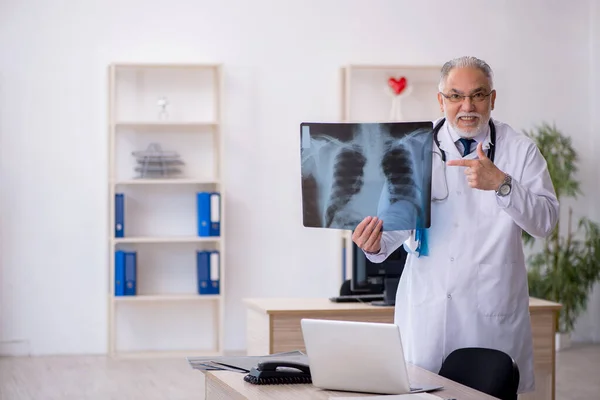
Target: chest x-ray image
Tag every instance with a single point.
(354, 170)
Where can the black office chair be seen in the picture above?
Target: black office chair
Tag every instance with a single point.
(345, 289)
(487, 370)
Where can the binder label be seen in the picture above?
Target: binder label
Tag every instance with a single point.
(214, 208)
(214, 266)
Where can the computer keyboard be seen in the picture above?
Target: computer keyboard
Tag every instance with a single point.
(357, 298)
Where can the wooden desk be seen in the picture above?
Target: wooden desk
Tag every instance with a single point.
(224, 385)
(273, 325)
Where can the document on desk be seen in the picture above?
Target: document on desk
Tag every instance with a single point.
(410, 396)
(243, 364)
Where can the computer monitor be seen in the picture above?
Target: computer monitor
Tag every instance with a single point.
(376, 278)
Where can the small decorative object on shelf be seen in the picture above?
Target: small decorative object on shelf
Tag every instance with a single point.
(156, 163)
(397, 88)
(162, 104)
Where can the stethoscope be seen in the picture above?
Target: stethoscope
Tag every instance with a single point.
(491, 151)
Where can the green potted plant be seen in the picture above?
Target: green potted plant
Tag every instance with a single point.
(568, 264)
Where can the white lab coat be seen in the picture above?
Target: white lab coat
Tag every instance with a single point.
(471, 290)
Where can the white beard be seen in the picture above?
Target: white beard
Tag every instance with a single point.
(483, 120)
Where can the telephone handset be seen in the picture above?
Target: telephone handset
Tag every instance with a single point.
(275, 372)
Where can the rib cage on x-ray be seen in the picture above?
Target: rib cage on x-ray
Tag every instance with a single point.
(364, 171)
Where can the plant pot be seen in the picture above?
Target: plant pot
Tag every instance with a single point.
(562, 341)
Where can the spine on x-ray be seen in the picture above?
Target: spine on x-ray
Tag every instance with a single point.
(397, 167)
(347, 180)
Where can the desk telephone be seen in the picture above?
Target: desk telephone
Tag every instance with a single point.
(279, 372)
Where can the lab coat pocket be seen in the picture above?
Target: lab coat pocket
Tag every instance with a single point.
(419, 281)
(496, 290)
(487, 204)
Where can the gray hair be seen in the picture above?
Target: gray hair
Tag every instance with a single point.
(466, 62)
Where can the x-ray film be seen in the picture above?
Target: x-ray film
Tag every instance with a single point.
(354, 170)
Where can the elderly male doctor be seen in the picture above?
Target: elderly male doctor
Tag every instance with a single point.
(471, 288)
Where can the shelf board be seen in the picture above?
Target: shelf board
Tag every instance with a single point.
(172, 181)
(164, 124)
(394, 66)
(127, 65)
(167, 239)
(166, 297)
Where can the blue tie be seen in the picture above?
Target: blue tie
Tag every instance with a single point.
(466, 145)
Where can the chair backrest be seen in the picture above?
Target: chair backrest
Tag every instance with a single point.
(345, 289)
(487, 370)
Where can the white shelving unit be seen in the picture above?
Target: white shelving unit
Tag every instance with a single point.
(167, 316)
(365, 97)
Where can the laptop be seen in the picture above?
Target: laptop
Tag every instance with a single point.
(358, 357)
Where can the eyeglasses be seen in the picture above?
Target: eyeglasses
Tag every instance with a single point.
(458, 98)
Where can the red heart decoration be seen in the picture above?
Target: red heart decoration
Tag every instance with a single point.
(397, 85)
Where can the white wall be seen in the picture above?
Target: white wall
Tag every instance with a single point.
(281, 64)
(587, 328)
